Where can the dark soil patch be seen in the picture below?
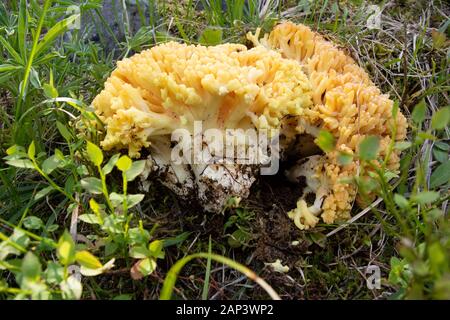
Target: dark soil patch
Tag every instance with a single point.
(271, 198)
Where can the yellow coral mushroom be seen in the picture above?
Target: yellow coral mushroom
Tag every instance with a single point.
(303, 217)
(293, 80)
(172, 85)
(277, 266)
(346, 103)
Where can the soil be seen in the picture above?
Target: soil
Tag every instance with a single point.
(271, 198)
(273, 233)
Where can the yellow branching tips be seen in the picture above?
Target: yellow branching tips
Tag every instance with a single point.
(172, 85)
(292, 80)
(346, 103)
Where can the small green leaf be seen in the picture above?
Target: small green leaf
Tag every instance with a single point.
(442, 145)
(69, 186)
(4, 68)
(425, 197)
(94, 206)
(389, 175)
(111, 163)
(156, 249)
(42, 193)
(50, 92)
(425, 136)
(19, 238)
(402, 145)
(139, 252)
(89, 218)
(238, 238)
(31, 267)
(318, 238)
(59, 155)
(134, 199)
(124, 163)
(50, 164)
(325, 141)
(211, 37)
(34, 79)
(440, 155)
(138, 235)
(368, 148)
(345, 158)
(21, 163)
(419, 112)
(33, 222)
(52, 228)
(143, 268)
(82, 170)
(65, 133)
(66, 249)
(112, 224)
(397, 269)
(10, 50)
(441, 175)
(116, 199)
(31, 150)
(136, 169)
(54, 273)
(87, 260)
(401, 201)
(92, 185)
(95, 153)
(441, 119)
(14, 149)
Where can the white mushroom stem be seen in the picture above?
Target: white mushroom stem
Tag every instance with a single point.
(316, 208)
(211, 184)
(306, 217)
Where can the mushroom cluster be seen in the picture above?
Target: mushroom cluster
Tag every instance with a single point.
(292, 83)
(345, 103)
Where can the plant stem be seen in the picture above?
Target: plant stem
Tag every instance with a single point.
(169, 282)
(26, 76)
(105, 189)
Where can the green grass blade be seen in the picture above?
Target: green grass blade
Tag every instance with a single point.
(26, 76)
(11, 50)
(22, 28)
(8, 67)
(208, 272)
(172, 275)
(54, 32)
